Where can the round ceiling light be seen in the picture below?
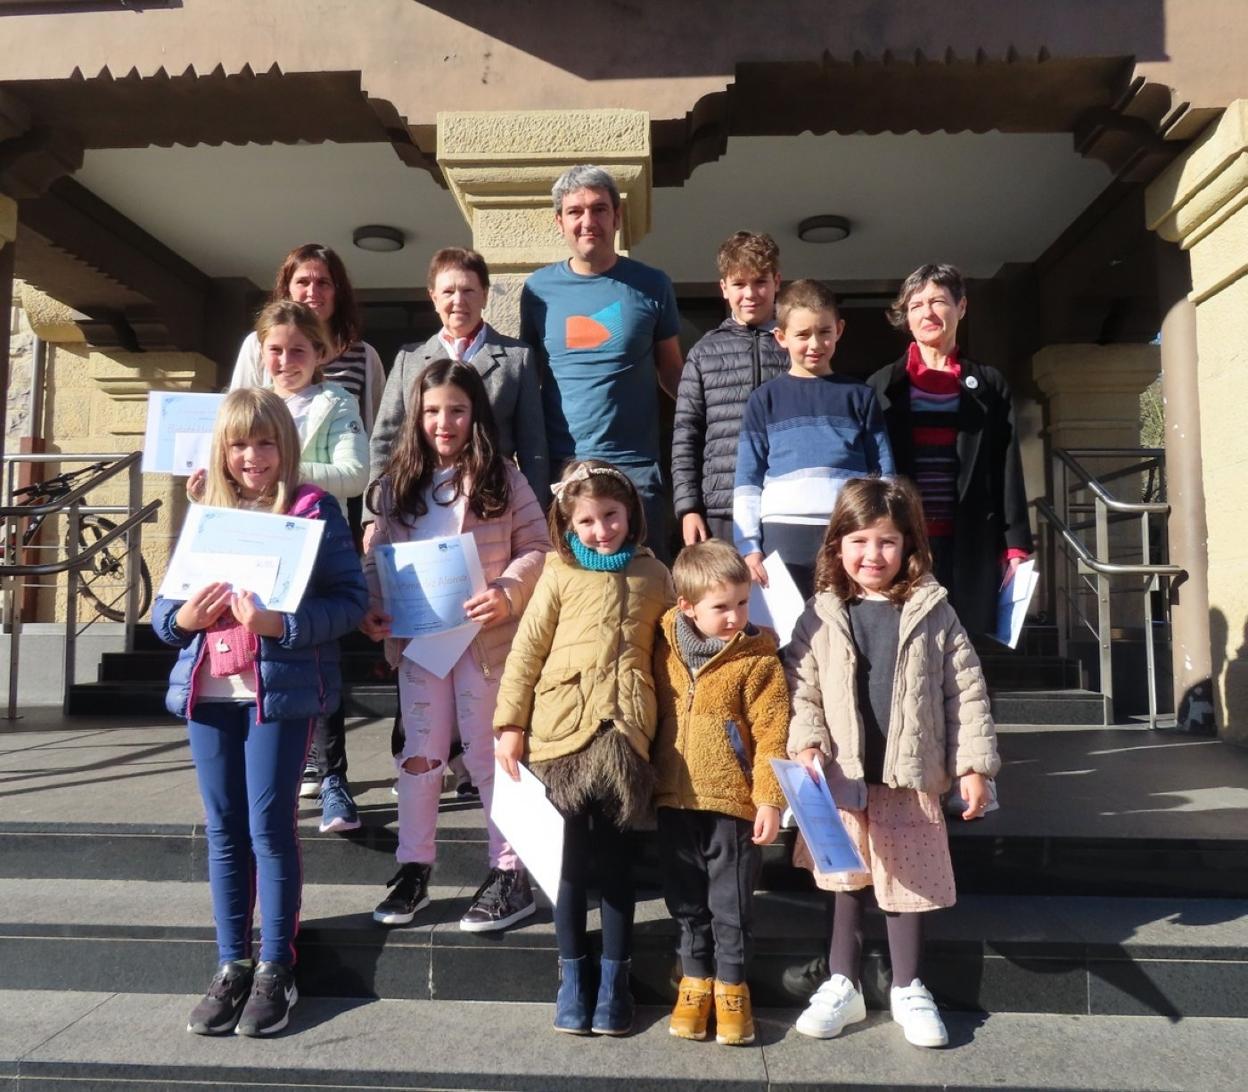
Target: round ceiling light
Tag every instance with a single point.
(378, 238)
(823, 229)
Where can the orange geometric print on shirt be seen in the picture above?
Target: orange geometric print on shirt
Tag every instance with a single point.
(584, 333)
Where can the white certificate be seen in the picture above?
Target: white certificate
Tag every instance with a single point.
(255, 573)
(533, 826)
(191, 452)
(817, 817)
(210, 532)
(779, 605)
(439, 652)
(171, 414)
(425, 584)
(1013, 601)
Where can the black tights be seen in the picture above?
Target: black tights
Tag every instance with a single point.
(591, 839)
(905, 938)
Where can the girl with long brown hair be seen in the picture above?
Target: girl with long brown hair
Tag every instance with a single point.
(445, 477)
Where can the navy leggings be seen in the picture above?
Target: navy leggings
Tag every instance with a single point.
(249, 776)
(593, 847)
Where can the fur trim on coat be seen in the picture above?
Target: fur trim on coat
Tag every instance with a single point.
(608, 772)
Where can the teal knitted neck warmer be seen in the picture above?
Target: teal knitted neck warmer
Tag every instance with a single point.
(596, 562)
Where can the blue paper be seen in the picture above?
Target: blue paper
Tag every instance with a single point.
(425, 584)
(171, 414)
(817, 818)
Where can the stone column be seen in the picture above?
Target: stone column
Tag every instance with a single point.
(1190, 660)
(8, 232)
(501, 165)
(1201, 202)
(1093, 394)
(98, 402)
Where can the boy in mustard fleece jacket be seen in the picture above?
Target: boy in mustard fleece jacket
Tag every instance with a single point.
(723, 715)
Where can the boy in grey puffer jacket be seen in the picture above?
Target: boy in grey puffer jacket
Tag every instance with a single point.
(722, 369)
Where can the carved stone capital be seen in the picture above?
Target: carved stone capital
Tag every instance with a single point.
(500, 166)
(51, 320)
(1201, 202)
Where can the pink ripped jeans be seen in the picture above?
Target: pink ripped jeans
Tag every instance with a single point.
(432, 708)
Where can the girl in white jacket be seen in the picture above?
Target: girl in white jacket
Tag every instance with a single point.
(888, 699)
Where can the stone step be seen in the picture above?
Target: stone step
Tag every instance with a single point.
(146, 697)
(115, 1039)
(1176, 958)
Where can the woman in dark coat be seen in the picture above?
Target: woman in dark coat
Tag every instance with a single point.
(951, 426)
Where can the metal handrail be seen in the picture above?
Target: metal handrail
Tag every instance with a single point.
(1094, 486)
(70, 504)
(1094, 568)
(1088, 559)
(59, 503)
(52, 568)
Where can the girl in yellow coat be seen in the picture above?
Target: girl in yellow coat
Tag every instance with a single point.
(578, 695)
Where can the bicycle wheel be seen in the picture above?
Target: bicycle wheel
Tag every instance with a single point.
(103, 581)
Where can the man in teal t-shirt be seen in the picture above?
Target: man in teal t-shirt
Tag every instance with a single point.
(604, 328)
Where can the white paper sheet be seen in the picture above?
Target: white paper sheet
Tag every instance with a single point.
(174, 413)
(1013, 602)
(438, 652)
(779, 605)
(191, 452)
(213, 531)
(425, 584)
(255, 573)
(530, 822)
(817, 818)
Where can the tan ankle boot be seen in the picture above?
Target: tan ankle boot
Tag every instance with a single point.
(734, 1019)
(693, 1008)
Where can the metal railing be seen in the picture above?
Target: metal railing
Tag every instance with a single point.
(1075, 568)
(14, 573)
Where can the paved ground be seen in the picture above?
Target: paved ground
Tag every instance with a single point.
(1062, 781)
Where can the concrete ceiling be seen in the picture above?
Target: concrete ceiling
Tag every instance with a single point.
(979, 200)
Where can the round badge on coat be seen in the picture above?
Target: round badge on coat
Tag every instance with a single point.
(971, 382)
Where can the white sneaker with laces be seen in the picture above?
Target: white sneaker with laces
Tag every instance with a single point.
(832, 1006)
(915, 1010)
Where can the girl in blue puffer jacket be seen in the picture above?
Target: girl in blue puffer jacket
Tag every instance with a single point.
(250, 682)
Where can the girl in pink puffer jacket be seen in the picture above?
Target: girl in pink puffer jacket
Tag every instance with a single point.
(445, 477)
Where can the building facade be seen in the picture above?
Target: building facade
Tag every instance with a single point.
(1085, 164)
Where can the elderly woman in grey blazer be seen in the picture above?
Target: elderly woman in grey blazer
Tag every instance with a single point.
(459, 284)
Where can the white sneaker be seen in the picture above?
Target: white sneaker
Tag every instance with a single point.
(834, 1005)
(916, 1012)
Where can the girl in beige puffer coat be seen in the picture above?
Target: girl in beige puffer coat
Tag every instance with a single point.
(578, 698)
(889, 701)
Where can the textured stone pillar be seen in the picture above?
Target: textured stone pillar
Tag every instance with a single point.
(1093, 394)
(98, 402)
(501, 165)
(1201, 202)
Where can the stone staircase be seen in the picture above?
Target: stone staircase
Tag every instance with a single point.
(1105, 951)
(1031, 686)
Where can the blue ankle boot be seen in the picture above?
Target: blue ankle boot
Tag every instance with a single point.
(572, 1001)
(613, 1015)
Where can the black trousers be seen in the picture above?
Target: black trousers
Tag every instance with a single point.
(710, 866)
(720, 527)
(328, 752)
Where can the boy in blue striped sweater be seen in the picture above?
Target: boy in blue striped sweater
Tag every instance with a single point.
(803, 435)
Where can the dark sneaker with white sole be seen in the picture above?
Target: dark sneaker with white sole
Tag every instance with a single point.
(219, 1009)
(338, 811)
(504, 899)
(273, 995)
(409, 893)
